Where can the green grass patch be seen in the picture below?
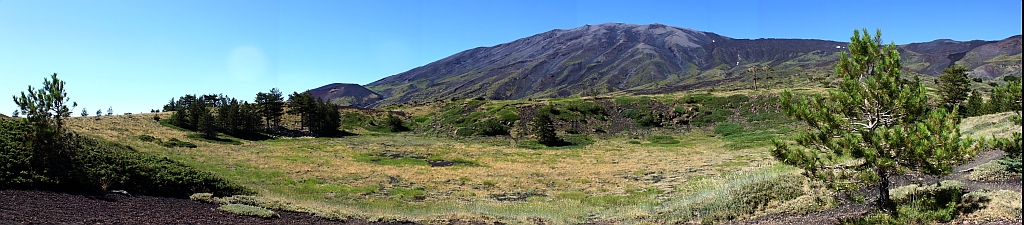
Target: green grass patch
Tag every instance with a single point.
(663, 140)
(727, 129)
(408, 194)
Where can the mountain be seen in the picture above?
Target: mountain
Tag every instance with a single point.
(612, 57)
(346, 94)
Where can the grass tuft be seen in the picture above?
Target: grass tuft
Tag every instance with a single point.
(248, 210)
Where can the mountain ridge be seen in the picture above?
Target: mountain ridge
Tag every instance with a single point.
(611, 57)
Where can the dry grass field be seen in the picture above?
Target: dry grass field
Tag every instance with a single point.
(391, 175)
(408, 177)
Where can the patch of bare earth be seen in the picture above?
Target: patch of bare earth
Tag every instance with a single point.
(44, 207)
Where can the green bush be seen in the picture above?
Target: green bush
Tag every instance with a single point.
(17, 155)
(91, 165)
(727, 129)
(919, 205)
(665, 140)
(148, 138)
(174, 142)
(248, 210)
(1012, 147)
(490, 127)
(630, 113)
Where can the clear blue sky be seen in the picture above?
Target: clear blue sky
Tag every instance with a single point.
(136, 55)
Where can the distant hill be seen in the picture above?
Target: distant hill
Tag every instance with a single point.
(346, 94)
(610, 57)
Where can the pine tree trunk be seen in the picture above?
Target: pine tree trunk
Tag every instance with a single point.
(884, 202)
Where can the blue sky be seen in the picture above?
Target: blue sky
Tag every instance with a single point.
(134, 56)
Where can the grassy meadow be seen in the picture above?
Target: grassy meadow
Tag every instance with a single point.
(390, 175)
(666, 176)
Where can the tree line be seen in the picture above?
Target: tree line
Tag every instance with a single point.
(209, 114)
(954, 89)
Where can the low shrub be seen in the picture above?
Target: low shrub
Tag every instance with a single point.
(174, 142)
(990, 171)
(88, 164)
(248, 210)
(490, 127)
(919, 205)
(148, 138)
(630, 113)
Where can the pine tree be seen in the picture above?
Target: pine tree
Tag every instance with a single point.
(47, 108)
(84, 112)
(879, 120)
(544, 128)
(110, 111)
(271, 106)
(302, 105)
(207, 124)
(954, 85)
(99, 113)
(973, 106)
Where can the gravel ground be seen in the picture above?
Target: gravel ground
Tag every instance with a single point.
(43, 207)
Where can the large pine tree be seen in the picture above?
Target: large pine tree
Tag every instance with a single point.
(875, 125)
(954, 86)
(271, 106)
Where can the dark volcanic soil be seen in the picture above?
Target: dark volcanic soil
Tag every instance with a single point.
(43, 207)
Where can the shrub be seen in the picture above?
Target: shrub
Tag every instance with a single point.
(17, 154)
(148, 138)
(490, 127)
(94, 165)
(394, 124)
(630, 113)
(248, 210)
(727, 129)
(919, 204)
(174, 142)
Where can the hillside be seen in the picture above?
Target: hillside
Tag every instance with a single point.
(613, 57)
(346, 94)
